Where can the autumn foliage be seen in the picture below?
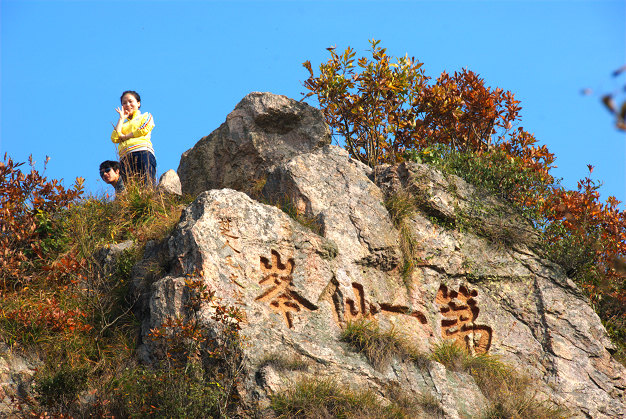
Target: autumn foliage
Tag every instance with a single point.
(60, 301)
(29, 203)
(388, 108)
(388, 111)
(588, 238)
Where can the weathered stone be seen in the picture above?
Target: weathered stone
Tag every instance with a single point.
(109, 255)
(451, 200)
(521, 307)
(16, 375)
(477, 278)
(331, 188)
(298, 290)
(170, 183)
(262, 131)
(282, 277)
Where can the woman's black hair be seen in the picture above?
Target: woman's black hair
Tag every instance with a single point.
(132, 92)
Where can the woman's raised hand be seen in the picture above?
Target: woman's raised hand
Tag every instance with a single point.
(122, 112)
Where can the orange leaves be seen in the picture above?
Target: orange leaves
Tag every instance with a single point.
(185, 337)
(386, 111)
(28, 204)
(460, 111)
(600, 227)
(370, 107)
(48, 315)
(386, 108)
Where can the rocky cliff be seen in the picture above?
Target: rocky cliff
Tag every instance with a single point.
(458, 266)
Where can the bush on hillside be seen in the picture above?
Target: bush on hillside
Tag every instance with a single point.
(30, 237)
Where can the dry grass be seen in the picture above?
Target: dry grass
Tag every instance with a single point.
(282, 362)
(380, 346)
(400, 207)
(77, 317)
(314, 398)
(324, 398)
(511, 395)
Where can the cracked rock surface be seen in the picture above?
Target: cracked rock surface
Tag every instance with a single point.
(477, 277)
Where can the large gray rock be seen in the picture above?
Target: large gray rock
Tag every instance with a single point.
(524, 308)
(285, 280)
(335, 192)
(477, 278)
(16, 376)
(263, 130)
(332, 189)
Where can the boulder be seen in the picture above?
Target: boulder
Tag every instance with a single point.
(407, 247)
(263, 130)
(524, 309)
(108, 256)
(285, 281)
(170, 183)
(17, 371)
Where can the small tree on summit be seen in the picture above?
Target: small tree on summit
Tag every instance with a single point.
(374, 110)
(389, 108)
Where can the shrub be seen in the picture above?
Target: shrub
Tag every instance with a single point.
(284, 363)
(56, 299)
(388, 108)
(387, 112)
(373, 109)
(60, 388)
(29, 234)
(196, 371)
(144, 391)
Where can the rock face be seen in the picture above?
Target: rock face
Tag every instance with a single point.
(16, 376)
(299, 283)
(262, 131)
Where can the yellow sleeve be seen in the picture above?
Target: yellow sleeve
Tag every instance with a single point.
(147, 123)
(115, 137)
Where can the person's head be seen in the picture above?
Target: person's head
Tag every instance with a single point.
(131, 101)
(110, 171)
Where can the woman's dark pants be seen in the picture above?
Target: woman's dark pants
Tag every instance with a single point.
(138, 166)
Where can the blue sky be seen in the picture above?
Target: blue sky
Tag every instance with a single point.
(64, 65)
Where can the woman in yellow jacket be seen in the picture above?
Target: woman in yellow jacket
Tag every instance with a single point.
(132, 136)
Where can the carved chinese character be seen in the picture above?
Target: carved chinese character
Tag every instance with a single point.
(459, 311)
(281, 294)
(361, 308)
(225, 231)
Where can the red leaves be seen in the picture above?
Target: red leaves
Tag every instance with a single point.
(27, 202)
(599, 226)
(48, 315)
(183, 338)
(386, 109)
